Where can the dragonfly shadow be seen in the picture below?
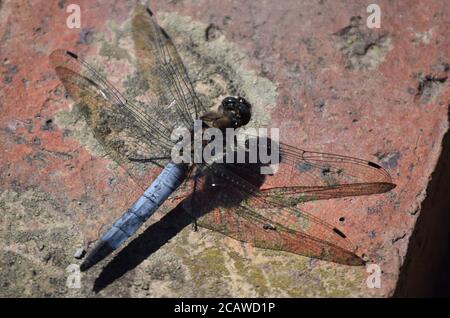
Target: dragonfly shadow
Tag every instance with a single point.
(153, 238)
(160, 232)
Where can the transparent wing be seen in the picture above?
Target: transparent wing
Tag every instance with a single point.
(228, 203)
(128, 132)
(303, 175)
(238, 201)
(307, 175)
(164, 71)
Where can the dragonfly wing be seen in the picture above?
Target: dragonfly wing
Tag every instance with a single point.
(230, 204)
(302, 175)
(128, 132)
(308, 175)
(163, 69)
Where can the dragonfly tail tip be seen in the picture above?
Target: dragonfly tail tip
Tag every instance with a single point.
(100, 251)
(85, 265)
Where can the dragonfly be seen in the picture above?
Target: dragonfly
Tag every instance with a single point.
(233, 199)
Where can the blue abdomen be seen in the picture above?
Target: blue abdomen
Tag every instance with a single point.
(164, 185)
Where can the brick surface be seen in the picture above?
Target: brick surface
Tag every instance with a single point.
(311, 68)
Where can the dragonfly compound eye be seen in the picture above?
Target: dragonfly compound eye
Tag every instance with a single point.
(229, 103)
(238, 110)
(243, 111)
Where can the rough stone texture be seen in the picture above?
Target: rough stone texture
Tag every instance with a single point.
(311, 68)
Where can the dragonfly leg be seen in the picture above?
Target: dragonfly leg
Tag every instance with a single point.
(194, 204)
(153, 160)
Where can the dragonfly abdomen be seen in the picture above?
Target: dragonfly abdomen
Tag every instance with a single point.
(164, 185)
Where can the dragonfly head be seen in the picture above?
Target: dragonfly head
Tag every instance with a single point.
(237, 109)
